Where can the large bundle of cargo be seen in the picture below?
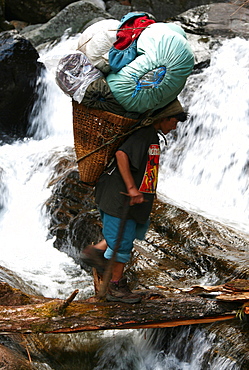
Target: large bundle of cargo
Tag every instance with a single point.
(128, 69)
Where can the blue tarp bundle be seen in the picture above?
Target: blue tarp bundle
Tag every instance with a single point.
(145, 66)
(158, 73)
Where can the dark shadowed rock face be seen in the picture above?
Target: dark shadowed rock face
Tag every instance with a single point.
(19, 70)
(75, 220)
(4, 25)
(35, 11)
(163, 10)
(12, 360)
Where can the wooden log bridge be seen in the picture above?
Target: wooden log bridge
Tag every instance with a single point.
(23, 313)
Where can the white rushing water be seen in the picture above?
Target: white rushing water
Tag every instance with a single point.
(206, 169)
(185, 348)
(26, 168)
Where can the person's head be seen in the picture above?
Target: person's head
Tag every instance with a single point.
(166, 118)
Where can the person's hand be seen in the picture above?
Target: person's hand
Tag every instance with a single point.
(135, 196)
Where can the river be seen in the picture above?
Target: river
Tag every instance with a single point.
(204, 170)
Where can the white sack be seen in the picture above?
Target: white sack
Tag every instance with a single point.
(96, 41)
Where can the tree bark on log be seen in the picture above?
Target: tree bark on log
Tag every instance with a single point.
(156, 310)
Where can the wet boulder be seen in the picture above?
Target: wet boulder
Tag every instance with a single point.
(4, 25)
(72, 20)
(74, 218)
(164, 10)
(118, 8)
(11, 360)
(19, 70)
(191, 242)
(207, 26)
(36, 11)
(217, 20)
(180, 247)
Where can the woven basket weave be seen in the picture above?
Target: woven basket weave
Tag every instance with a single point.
(93, 128)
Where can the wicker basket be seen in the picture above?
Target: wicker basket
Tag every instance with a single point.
(94, 128)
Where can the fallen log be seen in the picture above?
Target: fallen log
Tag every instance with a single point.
(157, 309)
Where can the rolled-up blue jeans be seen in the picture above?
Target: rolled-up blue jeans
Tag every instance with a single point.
(132, 230)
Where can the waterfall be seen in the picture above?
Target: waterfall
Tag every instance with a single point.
(26, 168)
(206, 167)
(187, 348)
(205, 170)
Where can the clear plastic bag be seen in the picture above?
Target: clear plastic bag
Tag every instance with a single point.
(74, 73)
